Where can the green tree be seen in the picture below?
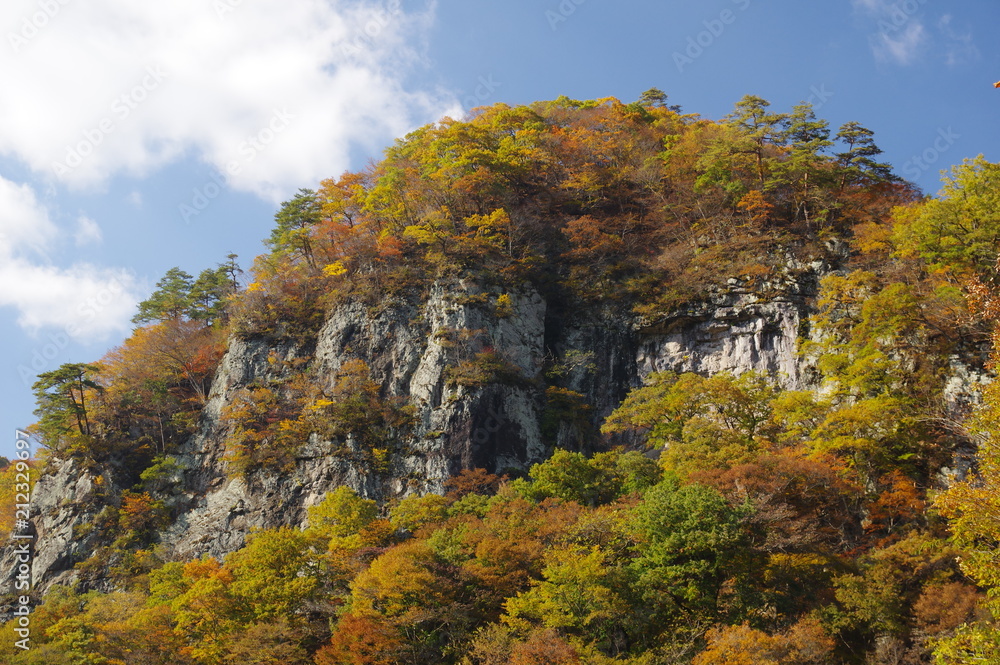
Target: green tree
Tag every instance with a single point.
(294, 223)
(857, 161)
(691, 543)
(759, 129)
(656, 98)
(61, 396)
(170, 300)
(806, 138)
(212, 289)
(570, 476)
(959, 231)
(178, 295)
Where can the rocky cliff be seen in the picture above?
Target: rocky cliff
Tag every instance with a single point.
(409, 347)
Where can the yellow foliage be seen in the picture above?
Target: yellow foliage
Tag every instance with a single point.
(335, 269)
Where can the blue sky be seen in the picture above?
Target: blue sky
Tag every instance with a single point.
(140, 136)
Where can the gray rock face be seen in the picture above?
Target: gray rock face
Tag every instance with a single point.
(735, 332)
(64, 505)
(410, 349)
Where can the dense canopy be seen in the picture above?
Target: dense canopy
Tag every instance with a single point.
(741, 523)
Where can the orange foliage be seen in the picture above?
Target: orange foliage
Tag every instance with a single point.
(361, 640)
(756, 208)
(806, 643)
(544, 647)
(899, 503)
(944, 607)
(800, 503)
(182, 352)
(472, 481)
(139, 512)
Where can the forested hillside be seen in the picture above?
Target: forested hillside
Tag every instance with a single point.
(622, 489)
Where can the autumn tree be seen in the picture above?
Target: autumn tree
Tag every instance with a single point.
(956, 233)
(973, 508)
(362, 640)
(581, 594)
(155, 384)
(806, 643)
(715, 421)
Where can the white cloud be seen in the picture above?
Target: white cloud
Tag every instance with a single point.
(113, 86)
(88, 302)
(87, 231)
(901, 36)
(85, 301)
(960, 46)
(24, 222)
(902, 46)
(135, 198)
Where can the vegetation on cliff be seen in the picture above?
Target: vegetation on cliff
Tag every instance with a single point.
(775, 526)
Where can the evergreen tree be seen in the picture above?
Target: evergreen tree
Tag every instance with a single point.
(807, 137)
(858, 160)
(759, 128)
(62, 403)
(294, 222)
(170, 300)
(656, 98)
(178, 295)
